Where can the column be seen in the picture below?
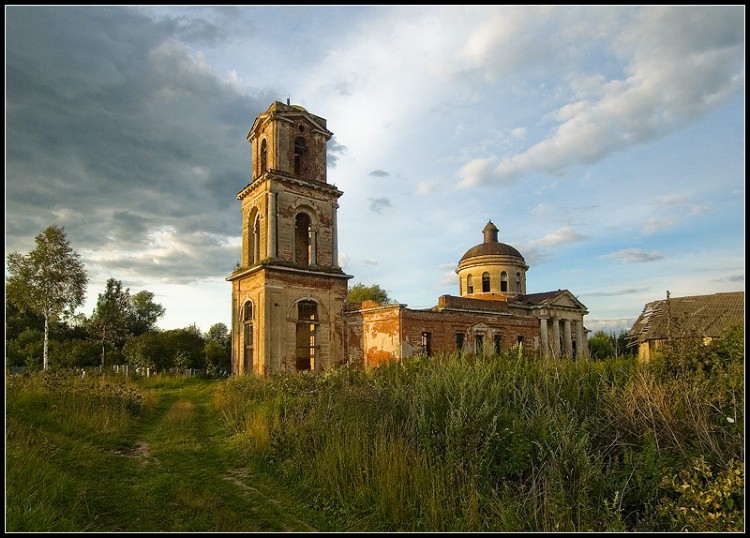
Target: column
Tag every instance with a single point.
(334, 238)
(545, 343)
(271, 225)
(567, 340)
(313, 245)
(555, 338)
(584, 339)
(580, 343)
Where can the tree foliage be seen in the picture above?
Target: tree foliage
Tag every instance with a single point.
(600, 346)
(50, 280)
(144, 313)
(217, 350)
(111, 315)
(359, 292)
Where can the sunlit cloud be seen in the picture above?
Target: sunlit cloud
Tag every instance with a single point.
(634, 255)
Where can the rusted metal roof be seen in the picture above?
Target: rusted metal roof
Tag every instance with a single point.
(695, 315)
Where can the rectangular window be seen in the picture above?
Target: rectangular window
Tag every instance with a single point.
(307, 321)
(519, 339)
(478, 343)
(497, 342)
(459, 341)
(248, 358)
(427, 344)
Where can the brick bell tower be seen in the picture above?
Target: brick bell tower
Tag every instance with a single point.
(288, 294)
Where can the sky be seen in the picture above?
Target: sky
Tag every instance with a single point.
(606, 143)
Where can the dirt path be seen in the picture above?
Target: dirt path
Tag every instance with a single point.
(191, 477)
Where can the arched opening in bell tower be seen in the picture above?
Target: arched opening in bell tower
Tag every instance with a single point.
(300, 149)
(302, 225)
(263, 156)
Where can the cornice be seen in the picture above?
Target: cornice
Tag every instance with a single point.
(275, 175)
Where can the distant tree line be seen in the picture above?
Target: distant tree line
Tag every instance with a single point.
(610, 346)
(45, 287)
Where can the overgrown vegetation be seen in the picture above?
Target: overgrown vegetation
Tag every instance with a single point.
(456, 443)
(450, 443)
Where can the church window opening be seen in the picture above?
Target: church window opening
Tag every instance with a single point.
(300, 148)
(469, 285)
(485, 282)
(263, 156)
(256, 240)
(459, 341)
(497, 342)
(302, 239)
(518, 282)
(247, 318)
(307, 335)
(503, 281)
(427, 344)
(478, 343)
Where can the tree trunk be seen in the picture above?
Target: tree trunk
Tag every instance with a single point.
(45, 364)
(103, 342)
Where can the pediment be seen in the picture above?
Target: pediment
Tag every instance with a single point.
(565, 299)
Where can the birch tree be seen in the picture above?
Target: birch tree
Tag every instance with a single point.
(50, 280)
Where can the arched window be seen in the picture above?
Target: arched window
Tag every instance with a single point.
(300, 148)
(302, 239)
(518, 282)
(247, 320)
(256, 240)
(263, 156)
(485, 282)
(307, 335)
(469, 284)
(503, 281)
(253, 238)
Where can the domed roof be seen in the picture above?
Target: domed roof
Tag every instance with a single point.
(491, 246)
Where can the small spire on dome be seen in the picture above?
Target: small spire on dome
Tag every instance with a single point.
(490, 233)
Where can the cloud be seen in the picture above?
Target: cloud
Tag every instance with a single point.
(675, 62)
(131, 133)
(541, 209)
(426, 187)
(476, 172)
(334, 151)
(656, 224)
(731, 279)
(379, 173)
(635, 255)
(560, 236)
(448, 278)
(378, 205)
(609, 326)
(615, 293)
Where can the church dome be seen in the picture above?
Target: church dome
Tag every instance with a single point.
(491, 246)
(491, 270)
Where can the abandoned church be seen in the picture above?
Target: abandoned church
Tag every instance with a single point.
(289, 308)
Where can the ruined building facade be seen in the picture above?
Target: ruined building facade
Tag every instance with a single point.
(289, 310)
(288, 294)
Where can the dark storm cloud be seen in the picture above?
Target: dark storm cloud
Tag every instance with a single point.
(115, 128)
(333, 151)
(378, 205)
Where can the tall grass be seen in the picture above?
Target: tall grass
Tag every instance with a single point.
(43, 411)
(454, 443)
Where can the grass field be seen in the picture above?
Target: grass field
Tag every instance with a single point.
(445, 444)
